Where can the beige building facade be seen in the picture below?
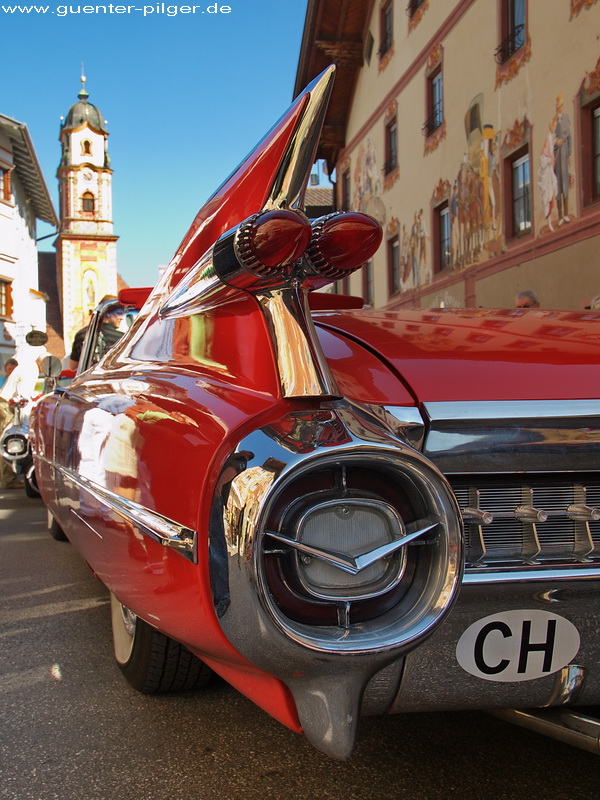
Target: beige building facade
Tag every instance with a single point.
(471, 130)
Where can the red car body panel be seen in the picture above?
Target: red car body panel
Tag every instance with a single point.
(490, 354)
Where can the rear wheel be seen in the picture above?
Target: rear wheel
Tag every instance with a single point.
(30, 486)
(54, 529)
(150, 661)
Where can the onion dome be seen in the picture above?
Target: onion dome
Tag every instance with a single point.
(82, 112)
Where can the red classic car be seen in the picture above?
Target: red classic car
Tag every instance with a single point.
(341, 511)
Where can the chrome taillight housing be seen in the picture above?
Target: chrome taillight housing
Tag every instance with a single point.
(270, 242)
(340, 244)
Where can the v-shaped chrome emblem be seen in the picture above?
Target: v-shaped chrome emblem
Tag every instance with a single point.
(354, 564)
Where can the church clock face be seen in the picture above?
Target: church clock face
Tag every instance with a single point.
(87, 175)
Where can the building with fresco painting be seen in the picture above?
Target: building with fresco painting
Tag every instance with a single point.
(471, 131)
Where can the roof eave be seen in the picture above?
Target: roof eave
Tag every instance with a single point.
(28, 169)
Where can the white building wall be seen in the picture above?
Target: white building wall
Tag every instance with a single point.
(18, 264)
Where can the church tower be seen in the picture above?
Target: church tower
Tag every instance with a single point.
(86, 244)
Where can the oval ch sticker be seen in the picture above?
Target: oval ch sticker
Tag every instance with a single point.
(517, 645)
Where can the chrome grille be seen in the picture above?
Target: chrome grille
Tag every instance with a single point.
(529, 524)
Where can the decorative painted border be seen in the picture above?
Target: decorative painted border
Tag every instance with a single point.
(390, 179)
(441, 192)
(591, 85)
(392, 228)
(435, 58)
(507, 71)
(578, 5)
(414, 19)
(516, 137)
(385, 60)
(432, 142)
(390, 112)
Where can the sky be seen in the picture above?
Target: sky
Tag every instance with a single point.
(186, 97)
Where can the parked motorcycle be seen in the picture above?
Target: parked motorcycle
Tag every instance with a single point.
(14, 443)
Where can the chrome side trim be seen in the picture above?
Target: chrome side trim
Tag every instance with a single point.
(408, 423)
(514, 436)
(161, 529)
(511, 409)
(570, 727)
(545, 575)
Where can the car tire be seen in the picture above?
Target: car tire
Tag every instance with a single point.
(54, 529)
(150, 661)
(30, 488)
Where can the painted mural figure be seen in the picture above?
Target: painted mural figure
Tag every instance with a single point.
(489, 175)
(562, 155)
(547, 181)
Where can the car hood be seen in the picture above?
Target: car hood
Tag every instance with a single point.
(481, 354)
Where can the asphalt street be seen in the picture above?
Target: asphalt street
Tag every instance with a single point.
(72, 729)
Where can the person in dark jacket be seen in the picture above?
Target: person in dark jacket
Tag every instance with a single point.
(109, 335)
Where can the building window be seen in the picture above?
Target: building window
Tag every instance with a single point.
(345, 189)
(5, 188)
(87, 202)
(86, 148)
(6, 305)
(590, 152)
(442, 253)
(391, 147)
(513, 29)
(520, 194)
(435, 107)
(596, 151)
(387, 29)
(394, 265)
(367, 283)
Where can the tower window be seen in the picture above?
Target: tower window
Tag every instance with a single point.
(86, 148)
(88, 202)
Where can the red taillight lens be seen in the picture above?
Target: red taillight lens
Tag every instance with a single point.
(272, 239)
(342, 242)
